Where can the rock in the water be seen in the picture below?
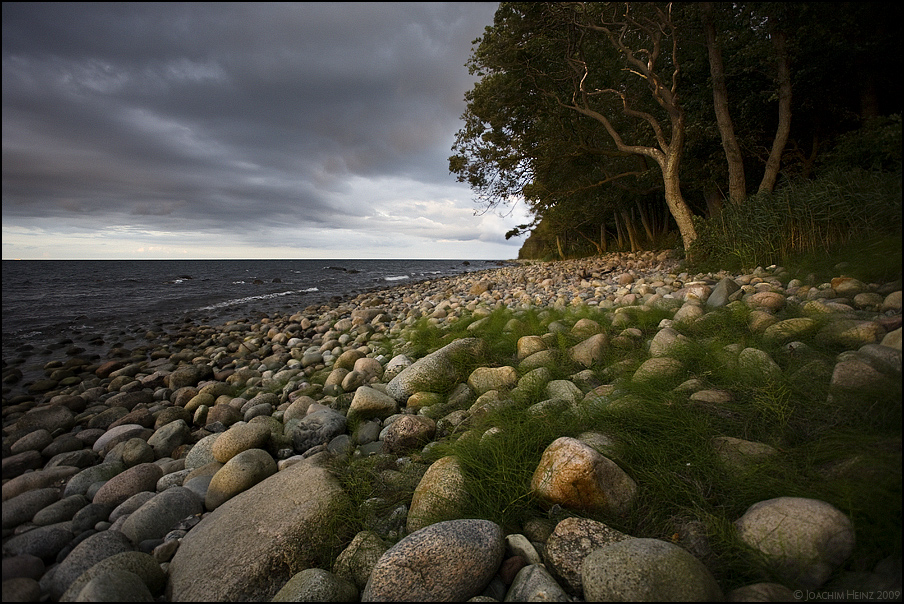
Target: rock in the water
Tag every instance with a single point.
(447, 561)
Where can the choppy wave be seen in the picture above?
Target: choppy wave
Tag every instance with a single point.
(397, 278)
(247, 299)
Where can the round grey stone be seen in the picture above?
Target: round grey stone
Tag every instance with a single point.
(154, 519)
(805, 540)
(142, 477)
(647, 570)
(239, 474)
(446, 561)
(22, 508)
(144, 566)
(316, 585)
(85, 555)
(115, 586)
(61, 511)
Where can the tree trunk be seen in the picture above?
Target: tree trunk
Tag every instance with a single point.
(737, 186)
(603, 238)
(678, 207)
(713, 203)
(774, 163)
(559, 247)
(632, 232)
(647, 225)
(619, 232)
(599, 249)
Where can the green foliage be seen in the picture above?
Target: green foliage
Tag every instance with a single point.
(522, 142)
(875, 147)
(844, 449)
(803, 217)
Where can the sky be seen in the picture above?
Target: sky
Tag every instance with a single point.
(240, 130)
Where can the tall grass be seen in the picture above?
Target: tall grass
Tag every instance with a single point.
(843, 449)
(801, 218)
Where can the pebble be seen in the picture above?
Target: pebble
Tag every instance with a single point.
(93, 465)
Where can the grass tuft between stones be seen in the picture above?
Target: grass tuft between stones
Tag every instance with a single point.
(844, 450)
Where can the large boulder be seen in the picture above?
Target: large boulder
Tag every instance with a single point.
(804, 540)
(85, 555)
(237, 475)
(154, 519)
(440, 495)
(261, 538)
(448, 561)
(317, 428)
(574, 475)
(438, 371)
(646, 570)
(573, 540)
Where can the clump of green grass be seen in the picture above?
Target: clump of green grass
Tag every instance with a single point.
(811, 218)
(844, 449)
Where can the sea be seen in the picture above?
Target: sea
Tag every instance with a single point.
(51, 304)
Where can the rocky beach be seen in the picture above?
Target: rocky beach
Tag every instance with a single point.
(201, 462)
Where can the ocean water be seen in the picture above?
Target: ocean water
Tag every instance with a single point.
(48, 303)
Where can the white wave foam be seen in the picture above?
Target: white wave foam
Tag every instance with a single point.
(247, 299)
(398, 278)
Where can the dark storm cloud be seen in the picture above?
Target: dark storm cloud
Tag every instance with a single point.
(204, 115)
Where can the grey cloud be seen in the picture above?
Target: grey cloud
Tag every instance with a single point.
(199, 115)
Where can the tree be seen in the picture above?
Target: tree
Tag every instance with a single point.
(551, 59)
(737, 183)
(648, 45)
(588, 111)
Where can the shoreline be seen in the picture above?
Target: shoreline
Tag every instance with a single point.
(328, 380)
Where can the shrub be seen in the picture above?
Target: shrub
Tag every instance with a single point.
(803, 217)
